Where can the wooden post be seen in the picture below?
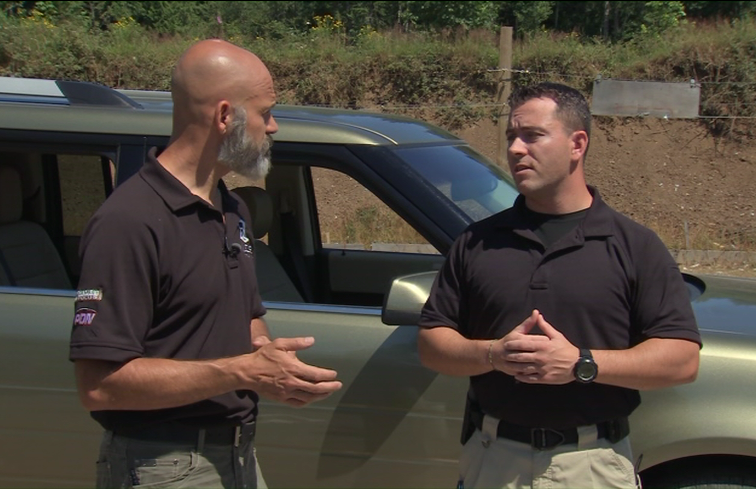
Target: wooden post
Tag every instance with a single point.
(504, 89)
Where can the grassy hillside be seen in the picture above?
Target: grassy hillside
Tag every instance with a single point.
(444, 78)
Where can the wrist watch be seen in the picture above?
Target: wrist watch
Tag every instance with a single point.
(586, 369)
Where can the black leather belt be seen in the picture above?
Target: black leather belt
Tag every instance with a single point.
(547, 438)
(178, 433)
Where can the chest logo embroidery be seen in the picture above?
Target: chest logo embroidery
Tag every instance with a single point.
(243, 231)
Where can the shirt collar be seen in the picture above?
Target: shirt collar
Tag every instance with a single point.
(597, 222)
(174, 193)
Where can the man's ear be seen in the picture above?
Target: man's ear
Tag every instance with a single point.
(579, 141)
(223, 116)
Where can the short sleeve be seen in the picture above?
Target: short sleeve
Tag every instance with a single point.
(446, 299)
(117, 290)
(662, 307)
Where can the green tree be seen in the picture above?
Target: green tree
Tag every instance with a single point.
(612, 20)
(469, 15)
(719, 10)
(525, 17)
(270, 20)
(648, 17)
(196, 18)
(616, 20)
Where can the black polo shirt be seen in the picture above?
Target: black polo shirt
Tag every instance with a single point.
(164, 277)
(608, 284)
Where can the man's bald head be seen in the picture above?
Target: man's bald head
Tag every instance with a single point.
(223, 98)
(211, 71)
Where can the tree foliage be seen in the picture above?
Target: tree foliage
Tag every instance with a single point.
(612, 20)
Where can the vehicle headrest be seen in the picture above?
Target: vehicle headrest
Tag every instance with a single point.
(11, 195)
(260, 208)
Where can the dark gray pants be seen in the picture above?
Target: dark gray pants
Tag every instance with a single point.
(128, 462)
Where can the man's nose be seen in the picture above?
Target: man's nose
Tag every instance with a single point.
(272, 126)
(517, 147)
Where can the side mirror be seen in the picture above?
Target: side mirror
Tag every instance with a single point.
(406, 299)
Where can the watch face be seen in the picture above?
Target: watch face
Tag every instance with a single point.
(585, 371)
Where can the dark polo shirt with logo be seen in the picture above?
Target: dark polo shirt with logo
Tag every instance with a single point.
(610, 283)
(164, 277)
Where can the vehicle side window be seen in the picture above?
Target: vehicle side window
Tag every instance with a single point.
(85, 182)
(350, 216)
(82, 190)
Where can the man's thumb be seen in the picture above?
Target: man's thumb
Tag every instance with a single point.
(527, 325)
(260, 341)
(547, 328)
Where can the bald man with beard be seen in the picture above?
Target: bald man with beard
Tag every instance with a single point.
(170, 347)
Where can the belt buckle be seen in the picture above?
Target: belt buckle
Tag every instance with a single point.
(539, 441)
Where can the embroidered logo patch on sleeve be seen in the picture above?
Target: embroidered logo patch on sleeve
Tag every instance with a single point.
(84, 316)
(88, 295)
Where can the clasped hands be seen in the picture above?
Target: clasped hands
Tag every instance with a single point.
(547, 358)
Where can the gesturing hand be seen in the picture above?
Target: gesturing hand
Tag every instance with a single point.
(275, 372)
(548, 358)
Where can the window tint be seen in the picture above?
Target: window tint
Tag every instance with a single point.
(350, 216)
(82, 190)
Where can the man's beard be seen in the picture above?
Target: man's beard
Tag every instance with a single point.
(240, 152)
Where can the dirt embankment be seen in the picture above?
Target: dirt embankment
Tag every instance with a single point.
(696, 191)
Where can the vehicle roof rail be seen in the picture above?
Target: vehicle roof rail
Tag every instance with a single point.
(87, 93)
(62, 92)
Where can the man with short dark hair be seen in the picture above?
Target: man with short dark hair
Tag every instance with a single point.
(559, 310)
(170, 348)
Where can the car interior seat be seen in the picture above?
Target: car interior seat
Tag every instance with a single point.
(273, 281)
(28, 257)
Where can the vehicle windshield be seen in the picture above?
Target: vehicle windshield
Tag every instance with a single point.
(476, 186)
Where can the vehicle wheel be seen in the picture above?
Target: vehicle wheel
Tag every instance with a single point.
(717, 475)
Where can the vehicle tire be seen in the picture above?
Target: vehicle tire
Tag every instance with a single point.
(717, 475)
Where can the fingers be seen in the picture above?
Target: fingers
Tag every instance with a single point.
(301, 389)
(299, 398)
(311, 373)
(526, 343)
(530, 378)
(323, 389)
(294, 344)
(300, 393)
(524, 350)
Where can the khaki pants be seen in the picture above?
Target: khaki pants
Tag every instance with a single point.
(488, 461)
(126, 462)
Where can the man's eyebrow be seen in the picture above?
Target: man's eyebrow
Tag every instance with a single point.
(524, 128)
